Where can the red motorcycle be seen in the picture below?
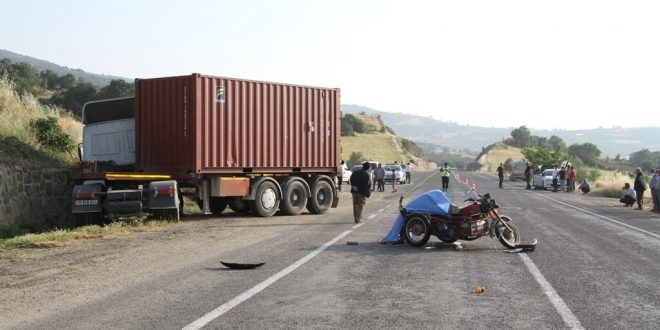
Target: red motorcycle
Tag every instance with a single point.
(468, 223)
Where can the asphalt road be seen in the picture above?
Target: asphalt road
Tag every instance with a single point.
(596, 267)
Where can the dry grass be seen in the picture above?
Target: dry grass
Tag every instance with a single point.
(611, 184)
(61, 237)
(497, 156)
(382, 147)
(16, 113)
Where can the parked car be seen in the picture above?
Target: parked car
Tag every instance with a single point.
(544, 179)
(400, 176)
(347, 173)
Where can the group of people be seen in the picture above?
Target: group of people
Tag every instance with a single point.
(564, 179)
(635, 194)
(362, 185)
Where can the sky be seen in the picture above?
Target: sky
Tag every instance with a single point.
(544, 64)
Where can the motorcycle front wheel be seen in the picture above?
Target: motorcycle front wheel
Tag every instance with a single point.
(417, 230)
(507, 234)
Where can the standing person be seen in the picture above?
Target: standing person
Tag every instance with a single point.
(654, 184)
(379, 175)
(360, 189)
(393, 179)
(528, 176)
(340, 175)
(640, 186)
(562, 178)
(445, 171)
(555, 179)
(629, 196)
(408, 171)
(500, 173)
(570, 179)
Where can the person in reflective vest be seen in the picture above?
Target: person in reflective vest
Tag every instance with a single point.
(445, 171)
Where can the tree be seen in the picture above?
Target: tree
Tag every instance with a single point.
(50, 79)
(66, 81)
(74, 98)
(644, 159)
(557, 144)
(522, 137)
(540, 156)
(26, 78)
(116, 88)
(357, 124)
(347, 129)
(355, 158)
(587, 152)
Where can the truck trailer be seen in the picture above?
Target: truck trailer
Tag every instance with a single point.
(254, 146)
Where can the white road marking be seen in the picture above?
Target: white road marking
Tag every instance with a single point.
(224, 308)
(371, 216)
(381, 210)
(602, 217)
(569, 318)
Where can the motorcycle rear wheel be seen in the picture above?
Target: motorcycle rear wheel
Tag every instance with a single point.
(510, 238)
(417, 230)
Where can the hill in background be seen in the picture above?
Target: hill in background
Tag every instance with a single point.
(611, 141)
(380, 143)
(98, 80)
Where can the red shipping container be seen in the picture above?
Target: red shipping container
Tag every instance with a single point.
(215, 125)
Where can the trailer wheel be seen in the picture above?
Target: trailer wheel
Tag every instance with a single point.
(322, 196)
(295, 198)
(239, 205)
(216, 205)
(266, 201)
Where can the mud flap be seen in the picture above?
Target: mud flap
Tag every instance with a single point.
(524, 247)
(335, 201)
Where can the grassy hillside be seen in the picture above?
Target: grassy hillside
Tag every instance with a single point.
(382, 145)
(18, 141)
(495, 154)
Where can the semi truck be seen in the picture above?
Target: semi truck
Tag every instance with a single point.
(257, 147)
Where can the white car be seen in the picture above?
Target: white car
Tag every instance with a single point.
(347, 174)
(398, 172)
(544, 180)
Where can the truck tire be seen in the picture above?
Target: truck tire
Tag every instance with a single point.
(239, 205)
(266, 201)
(216, 205)
(321, 199)
(295, 198)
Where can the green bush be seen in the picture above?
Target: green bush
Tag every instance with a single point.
(49, 134)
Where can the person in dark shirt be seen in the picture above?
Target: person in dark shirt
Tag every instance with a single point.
(640, 187)
(500, 173)
(361, 190)
(528, 175)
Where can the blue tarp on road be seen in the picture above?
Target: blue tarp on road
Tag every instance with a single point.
(434, 202)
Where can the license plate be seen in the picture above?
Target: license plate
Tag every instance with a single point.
(85, 202)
